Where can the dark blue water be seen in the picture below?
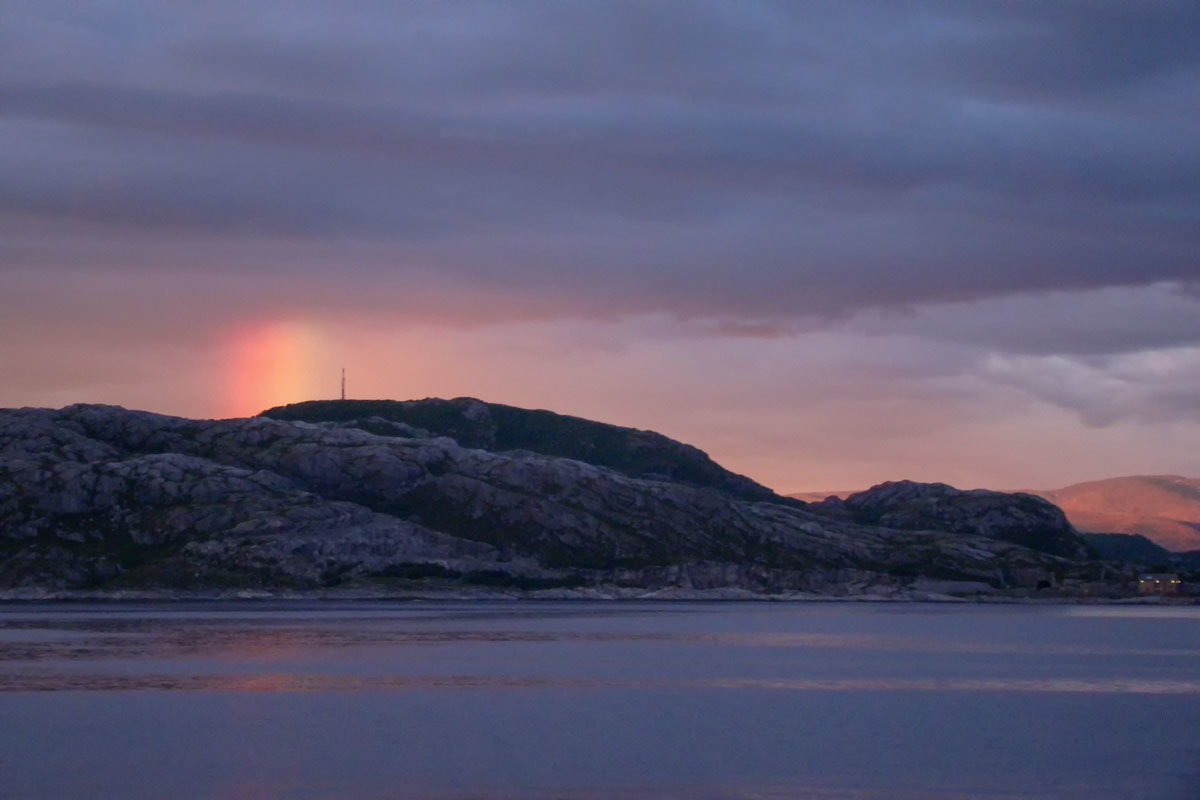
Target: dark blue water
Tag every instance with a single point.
(594, 700)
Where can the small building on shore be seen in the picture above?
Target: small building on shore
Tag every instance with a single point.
(1159, 583)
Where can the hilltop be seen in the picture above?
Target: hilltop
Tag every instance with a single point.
(499, 428)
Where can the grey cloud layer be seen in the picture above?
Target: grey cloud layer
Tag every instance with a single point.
(740, 160)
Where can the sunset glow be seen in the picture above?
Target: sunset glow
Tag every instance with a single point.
(876, 249)
(274, 363)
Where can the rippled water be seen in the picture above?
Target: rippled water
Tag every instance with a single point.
(594, 700)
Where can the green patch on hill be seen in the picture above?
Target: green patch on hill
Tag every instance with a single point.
(492, 426)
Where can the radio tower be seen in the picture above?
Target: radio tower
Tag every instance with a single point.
(343, 383)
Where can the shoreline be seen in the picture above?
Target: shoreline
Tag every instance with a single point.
(606, 595)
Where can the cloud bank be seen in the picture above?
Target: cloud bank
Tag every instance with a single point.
(926, 206)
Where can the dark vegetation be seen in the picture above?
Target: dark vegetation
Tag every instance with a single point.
(492, 426)
(1137, 549)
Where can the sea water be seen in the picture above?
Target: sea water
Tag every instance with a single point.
(255, 701)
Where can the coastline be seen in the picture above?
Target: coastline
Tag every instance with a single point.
(595, 594)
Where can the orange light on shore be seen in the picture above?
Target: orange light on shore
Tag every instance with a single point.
(272, 364)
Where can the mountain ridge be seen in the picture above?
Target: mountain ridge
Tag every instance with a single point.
(107, 499)
(1164, 509)
(474, 423)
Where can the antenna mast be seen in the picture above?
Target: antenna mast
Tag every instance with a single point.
(343, 383)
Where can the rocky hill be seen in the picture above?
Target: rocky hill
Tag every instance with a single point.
(104, 498)
(1163, 508)
(1019, 518)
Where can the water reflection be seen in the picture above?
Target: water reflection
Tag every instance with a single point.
(258, 790)
(293, 682)
(32, 638)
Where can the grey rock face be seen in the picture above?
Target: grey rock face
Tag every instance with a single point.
(1023, 519)
(101, 496)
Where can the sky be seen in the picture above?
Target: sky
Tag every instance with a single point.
(830, 243)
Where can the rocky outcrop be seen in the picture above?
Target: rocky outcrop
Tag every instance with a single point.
(98, 496)
(81, 511)
(1023, 519)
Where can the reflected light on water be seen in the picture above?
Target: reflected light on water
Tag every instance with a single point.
(257, 790)
(590, 701)
(292, 682)
(75, 640)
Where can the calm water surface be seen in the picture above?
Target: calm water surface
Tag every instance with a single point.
(597, 700)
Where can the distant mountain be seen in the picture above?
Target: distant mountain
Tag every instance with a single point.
(817, 497)
(1163, 508)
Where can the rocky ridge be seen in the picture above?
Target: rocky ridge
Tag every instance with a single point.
(1164, 509)
(105, 499)
(495, 427)
(1023, 519)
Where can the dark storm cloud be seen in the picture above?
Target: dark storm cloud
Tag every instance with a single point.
(744, 161)
(1073, 49)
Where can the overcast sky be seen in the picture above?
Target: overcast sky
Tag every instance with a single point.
(830, 243)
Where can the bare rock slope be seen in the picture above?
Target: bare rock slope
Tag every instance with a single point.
(98, 496)
(500, 428)
(1023, 519)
